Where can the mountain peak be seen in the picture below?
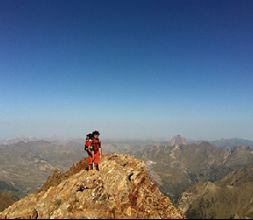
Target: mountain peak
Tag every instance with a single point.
(121, 189)
(178, 140)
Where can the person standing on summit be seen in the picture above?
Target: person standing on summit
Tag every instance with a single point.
(96, 144)
(89, 149)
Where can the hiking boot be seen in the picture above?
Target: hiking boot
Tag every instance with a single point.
(97, 167)
(90, 167)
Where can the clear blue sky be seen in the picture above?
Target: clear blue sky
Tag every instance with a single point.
(147, 69)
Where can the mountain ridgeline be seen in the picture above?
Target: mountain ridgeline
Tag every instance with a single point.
(181, 166)
(122, 189)
(198, 167)
(25, 165)
(228, 198)
(183, 170)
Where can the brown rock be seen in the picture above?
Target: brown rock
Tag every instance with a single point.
(121, 189)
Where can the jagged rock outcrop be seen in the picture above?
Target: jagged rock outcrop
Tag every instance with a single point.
(58, 176)
(178, 140)
(121, 189)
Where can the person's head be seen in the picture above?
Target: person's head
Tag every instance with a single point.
(89, 136)
(95, 134)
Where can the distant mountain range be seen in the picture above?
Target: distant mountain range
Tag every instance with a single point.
(229, 143)
(177, 139)
(180, 167)
(228, 198)
(26, 165)
(232, 142)
(176, 165)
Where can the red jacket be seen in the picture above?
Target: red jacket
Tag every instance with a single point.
(96, 143)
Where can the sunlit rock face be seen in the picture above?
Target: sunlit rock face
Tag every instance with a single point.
(121, 189)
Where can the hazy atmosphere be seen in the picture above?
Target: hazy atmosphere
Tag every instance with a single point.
(131, 69)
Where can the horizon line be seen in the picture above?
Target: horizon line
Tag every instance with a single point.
(59, 138)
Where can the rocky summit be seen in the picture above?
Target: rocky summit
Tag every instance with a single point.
(121, 189)
(178, 140)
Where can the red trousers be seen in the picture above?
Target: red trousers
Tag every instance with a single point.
(96, 159)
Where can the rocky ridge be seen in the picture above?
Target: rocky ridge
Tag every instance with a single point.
(121, 189)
